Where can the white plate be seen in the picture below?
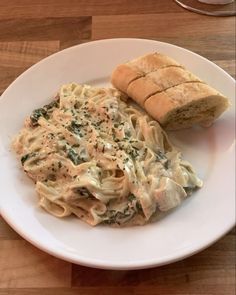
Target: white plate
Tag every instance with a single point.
(200, 221)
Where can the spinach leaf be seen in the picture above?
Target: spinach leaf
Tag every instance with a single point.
(160, 155)
(41, 112)
(53, 104)
(113, 216)
(75, 127)
(74, 157)
(83, 191)
(26, 157)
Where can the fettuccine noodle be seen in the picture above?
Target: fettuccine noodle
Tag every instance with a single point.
(94, 155)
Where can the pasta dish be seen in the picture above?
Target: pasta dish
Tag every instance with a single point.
(94, 154)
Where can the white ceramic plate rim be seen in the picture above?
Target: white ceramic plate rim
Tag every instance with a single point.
(101, 263)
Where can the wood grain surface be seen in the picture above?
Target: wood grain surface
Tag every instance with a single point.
(31, 30)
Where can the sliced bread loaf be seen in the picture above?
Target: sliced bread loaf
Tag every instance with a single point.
(168, 92)
(186, 104)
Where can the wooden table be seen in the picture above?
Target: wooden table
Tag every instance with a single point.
(32, 29)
